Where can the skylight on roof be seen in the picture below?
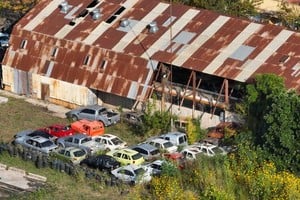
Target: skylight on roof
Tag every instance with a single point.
(242, 52)
(184, 37)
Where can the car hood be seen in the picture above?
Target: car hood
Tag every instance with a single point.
(172, 149)
(94, 145)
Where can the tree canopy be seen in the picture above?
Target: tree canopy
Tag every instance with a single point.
(274, 121)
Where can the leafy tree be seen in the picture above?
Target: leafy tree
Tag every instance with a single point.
(281, 140)
(230, 7)
(274, 120)
(259, 97)
(193, 131)
(156, 121)
(20, 6)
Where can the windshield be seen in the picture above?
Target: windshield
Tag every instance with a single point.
(168, 144)
(79, 153)
(4, 38)
(86, 140)
(46, 144)
(116, 141)
(154, 152)
(136, 156)
(139, 171)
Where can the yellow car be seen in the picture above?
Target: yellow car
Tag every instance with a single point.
(127, 156)
(71, 154)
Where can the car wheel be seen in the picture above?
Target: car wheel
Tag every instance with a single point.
(74, 118)
(102, 122)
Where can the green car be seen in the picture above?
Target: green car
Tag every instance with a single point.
(127, 156)
(71, 154)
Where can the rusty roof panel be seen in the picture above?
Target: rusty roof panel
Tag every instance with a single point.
(117, 58)
(109, 38)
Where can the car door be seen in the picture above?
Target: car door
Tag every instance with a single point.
(76, 142)
(68, 142)
(126, 159)
(87, 113)
(126, 175)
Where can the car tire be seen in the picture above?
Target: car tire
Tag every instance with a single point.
(102, 123)
(74, 118)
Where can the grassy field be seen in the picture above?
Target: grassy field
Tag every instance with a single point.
(18, 115)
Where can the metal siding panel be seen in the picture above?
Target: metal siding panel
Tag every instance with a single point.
(133, 90)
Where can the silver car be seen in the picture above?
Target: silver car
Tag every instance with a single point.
(37, 143)
(94, 112)
(133, 174)
(149, 152)
(82, 141)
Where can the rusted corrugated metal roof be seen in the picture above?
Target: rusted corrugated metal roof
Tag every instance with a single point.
(103, 55)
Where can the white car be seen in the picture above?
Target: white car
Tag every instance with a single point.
(133, 174)
(210, 149)
(156, 167)
(163, 145)
(191, 153)
(111, 142)
(177, 138)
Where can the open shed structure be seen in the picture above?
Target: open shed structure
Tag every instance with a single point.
(122, 52)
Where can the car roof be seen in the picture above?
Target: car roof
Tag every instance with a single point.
(192, 150)
(108, 135)
(72, 148)
(175, 133)
(131, 167)
(79, 136)
(159, 162)
(145, 146)
(95, 106)
(39, 139)
(128, 151)
(159, 140)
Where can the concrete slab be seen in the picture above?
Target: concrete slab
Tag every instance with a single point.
(3, 99)
(16, 179)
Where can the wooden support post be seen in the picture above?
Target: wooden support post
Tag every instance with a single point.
(220, 92)
(226, 93)
(186, 89)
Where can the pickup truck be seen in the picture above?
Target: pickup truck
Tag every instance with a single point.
(94, 112)
(91, 128)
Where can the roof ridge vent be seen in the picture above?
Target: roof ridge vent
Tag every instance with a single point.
(64, 7)
(96, 14)
(153, 28)
(124, 23)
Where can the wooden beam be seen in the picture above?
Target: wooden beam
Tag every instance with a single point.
(186, 89)
(220, 92)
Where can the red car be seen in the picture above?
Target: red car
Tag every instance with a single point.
(177, 158)
(59, 130)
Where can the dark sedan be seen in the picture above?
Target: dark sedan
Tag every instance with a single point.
(101, 162)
